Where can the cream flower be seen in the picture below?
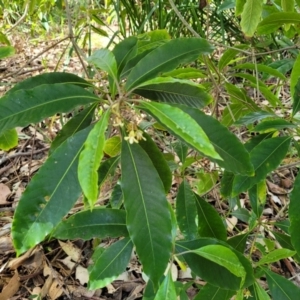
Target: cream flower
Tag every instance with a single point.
(131, 137)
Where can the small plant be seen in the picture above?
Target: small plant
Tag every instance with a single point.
(147, 86)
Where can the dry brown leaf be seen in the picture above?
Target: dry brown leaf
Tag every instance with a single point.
(274, 188)
(55, 290)
(82, 274)
(11, 288)
(16, 262)
(71, 250)
(4, 192)
(5, 244)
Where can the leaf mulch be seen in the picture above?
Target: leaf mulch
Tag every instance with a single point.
(58, 269)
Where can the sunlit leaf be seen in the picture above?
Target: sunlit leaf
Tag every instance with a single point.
(8, 139)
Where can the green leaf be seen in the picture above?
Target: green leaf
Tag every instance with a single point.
(49, 196)
(232, 113)
(242, 214)
(295, 75)
(181, 150)
(82, 120)
(124, 51)
(212, 292)
(107, 168)
(50, 78)
(112, 146)
(275, 256)
(181, 125)
(260, 293)
(166, 58)
(224, 257)
(206, 181)
(209, 222)
(238, 242)
(186, 211)
(288, 5)
(283, 65)
(294, 215)
(85, 225)
(23, 107)
(212, 272)
(6, 51)
(296, 98)
(8, 139)
(167, 289)
(257, 196)
(108, 265)
(280, 287)
(172, 90)
(105, 60)
(229, 55)
(227, 184)
(273, 125)
(144, 196)
(185, 73)
(239, 6)
(251, 16)
(275, 20)
(234, 156)
(158, 161)
(254, 116)
(116, 197)
(261, 68)
(265, 157)
(90, 159)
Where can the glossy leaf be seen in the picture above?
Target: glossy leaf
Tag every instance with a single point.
(107, 168)
(242, 214)
(82, 120)
(265, 157)
(255, 116)
(167, 289)
(275, 255)
(257, 196)
(296, 98)
(238, 242)
(224, 257)
(273, 125)
(232, 113)
(294, 216)
(212, 292)
(234, 156)
(171, 90)
(50, 78)
(210, 271)
(280, 287)
(85, 225)
(251, 16)
(181, 150)
(158, 161)
(144, 196)
(112, 146)
(186, 211)
(181, 125)
(185, 73)
(105, 60)
(90, 158)
(209, 222)
(227, 184)
(166, 58)
(239, 6)
(116, 197)
(49, 196)
(124, 51)
(109, 264)
(260, 293)
(275, 20)
(23, 107)
(8, 139)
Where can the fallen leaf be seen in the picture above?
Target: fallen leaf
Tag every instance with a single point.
(4, 192)
(82, 274)
(71, 250)
(11, 288)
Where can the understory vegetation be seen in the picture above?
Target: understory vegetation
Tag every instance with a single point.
(190, 111)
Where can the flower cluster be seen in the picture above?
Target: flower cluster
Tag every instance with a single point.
(135, 134)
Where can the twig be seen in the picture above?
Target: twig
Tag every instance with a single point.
(20, 20)
(35, 57)
(71, 36)
(5, 159)
(294, 164)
